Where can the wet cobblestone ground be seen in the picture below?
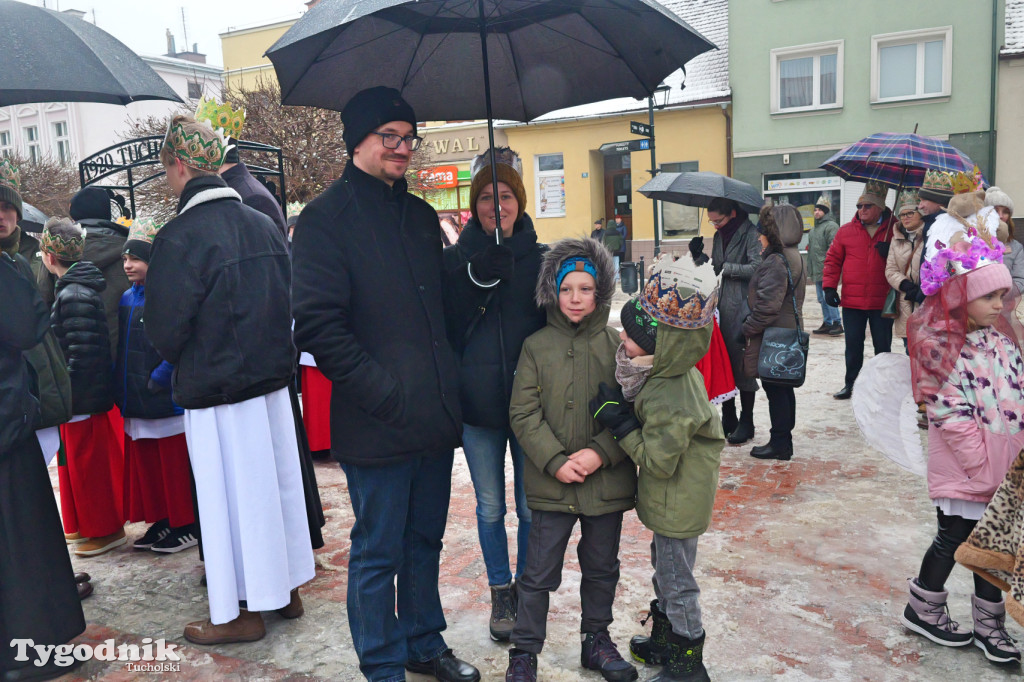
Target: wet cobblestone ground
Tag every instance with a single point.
(803, 575)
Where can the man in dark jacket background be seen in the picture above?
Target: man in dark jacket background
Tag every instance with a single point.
(857, 258)
(368, 306)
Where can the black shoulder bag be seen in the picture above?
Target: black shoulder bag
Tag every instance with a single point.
(783, 357)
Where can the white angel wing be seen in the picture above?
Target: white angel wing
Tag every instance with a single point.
(883, 405)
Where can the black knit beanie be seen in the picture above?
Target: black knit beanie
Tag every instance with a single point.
(640, 327)
(371, 108)
(90, 202)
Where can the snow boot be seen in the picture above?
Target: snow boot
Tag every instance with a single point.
(522, 666)
(652, 650)
(744, 430)
(990, 633)
(927, 614)
(599, 653)
(729, 420)
(503, 611)
(685, 660)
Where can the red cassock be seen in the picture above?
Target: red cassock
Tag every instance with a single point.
(156, 481)
(316, 408)
(91, 482)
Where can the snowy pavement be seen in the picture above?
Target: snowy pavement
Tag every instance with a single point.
(803, 574)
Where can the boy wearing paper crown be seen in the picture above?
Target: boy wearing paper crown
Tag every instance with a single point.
(661, 416)
(218, 308)
(157, 485)
(91, 473)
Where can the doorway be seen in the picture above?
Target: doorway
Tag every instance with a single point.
(618, 190)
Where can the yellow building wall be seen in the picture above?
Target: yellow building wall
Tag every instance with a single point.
(681, 135)
(244, 50)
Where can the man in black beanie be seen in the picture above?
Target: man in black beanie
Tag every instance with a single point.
(367, 302)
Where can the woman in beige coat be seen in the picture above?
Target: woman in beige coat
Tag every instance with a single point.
(903, 266)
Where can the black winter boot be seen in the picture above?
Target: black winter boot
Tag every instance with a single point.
(745, 428)
(522, 666)
(729, 420)
(685, 660)
(503, 611)
(652, 650)
(599, 653)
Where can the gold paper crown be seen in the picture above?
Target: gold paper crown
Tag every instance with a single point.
(963, 183)
(204, 150)
(143, 230)
(64, 248)
(221, 116)
(10, 175)
(876, 188)
(681, 293)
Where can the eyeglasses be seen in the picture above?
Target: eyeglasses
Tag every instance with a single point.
(907, 214)
(392, 141)
(718, 223)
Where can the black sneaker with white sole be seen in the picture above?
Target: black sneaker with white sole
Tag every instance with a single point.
(154, 534)
(177, 540)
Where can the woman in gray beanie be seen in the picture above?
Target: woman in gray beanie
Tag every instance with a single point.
(1014, 258)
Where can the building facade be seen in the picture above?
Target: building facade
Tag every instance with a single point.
(1010, 107)
(811, 77)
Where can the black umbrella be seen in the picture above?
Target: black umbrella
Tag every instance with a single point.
(699, 188)
(460, 59)
(54, 57)
(32, 219)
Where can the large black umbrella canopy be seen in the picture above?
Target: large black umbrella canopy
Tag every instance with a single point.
(54, 57)
(699, 188)
(542, 55)
(32, 219)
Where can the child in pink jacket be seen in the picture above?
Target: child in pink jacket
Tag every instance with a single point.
(968, 371)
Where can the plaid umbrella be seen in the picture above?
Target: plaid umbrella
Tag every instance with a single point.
(897, 159)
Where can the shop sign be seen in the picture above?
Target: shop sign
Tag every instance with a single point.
(440, 177)
(796, 184)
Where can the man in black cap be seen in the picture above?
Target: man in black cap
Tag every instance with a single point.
(368, 307)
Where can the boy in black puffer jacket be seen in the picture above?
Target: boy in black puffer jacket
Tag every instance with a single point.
(158, 488)
(90, 475)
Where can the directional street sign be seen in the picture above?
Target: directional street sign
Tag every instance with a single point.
(644, 129)
(627, 146)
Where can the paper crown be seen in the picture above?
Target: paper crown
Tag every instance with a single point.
(970, 251)
(143, 230)
(946, 183)
(221, 116)
(69, 248)
(824, 202)
(501, 155)
(204, 149)
(908, 199)
(681, 293)
(10, 175)
(875, 188)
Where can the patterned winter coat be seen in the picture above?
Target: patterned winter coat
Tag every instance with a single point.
(976, 421)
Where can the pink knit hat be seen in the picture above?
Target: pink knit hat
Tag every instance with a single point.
(986, 279)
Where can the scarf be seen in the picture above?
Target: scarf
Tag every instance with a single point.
(631, 373)
(729, 230)
(12, 242)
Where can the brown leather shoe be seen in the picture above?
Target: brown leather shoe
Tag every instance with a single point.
(248, 627)
(294, 608)
(82, 577)
(84, 590)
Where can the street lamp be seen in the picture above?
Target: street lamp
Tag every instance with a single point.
(663, 90)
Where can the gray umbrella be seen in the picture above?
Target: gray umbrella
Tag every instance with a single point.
(539, 56)
(699, 188)
(32, 219)
(55, 57)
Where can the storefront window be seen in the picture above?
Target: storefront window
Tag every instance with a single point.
(678, 221)
(803, 189)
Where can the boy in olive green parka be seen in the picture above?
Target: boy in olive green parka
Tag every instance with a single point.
(675, 437)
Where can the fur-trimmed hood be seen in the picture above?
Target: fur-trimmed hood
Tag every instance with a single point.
(546, 294)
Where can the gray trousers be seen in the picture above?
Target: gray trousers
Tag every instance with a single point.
(598, 553)
(674, 584)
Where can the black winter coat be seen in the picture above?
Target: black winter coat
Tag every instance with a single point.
(135, 391)
(23, 325)
(483, 393)
(369, 308)
(217, 303)
(255, 195)
(80, 323)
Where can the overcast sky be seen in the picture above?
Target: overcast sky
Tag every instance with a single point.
(142, 24)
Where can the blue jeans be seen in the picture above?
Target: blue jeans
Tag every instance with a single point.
(485, 455)
(829, 314)
(400, 510)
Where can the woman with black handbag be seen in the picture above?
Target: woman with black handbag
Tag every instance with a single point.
(776, 299)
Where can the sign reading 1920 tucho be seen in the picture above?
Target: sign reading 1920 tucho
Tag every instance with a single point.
(139, 152)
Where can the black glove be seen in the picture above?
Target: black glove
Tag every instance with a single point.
(494, 262)
(912, 292)
(697, 247)
(883, 249)
(613, 412)
(832, 298)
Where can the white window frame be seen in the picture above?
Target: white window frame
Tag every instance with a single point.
(6, 144)
(918, 37)
(62, 141)
(32, 145)
(539, 176)
(810, 50)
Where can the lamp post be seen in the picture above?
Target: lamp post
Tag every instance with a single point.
(654, 163)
